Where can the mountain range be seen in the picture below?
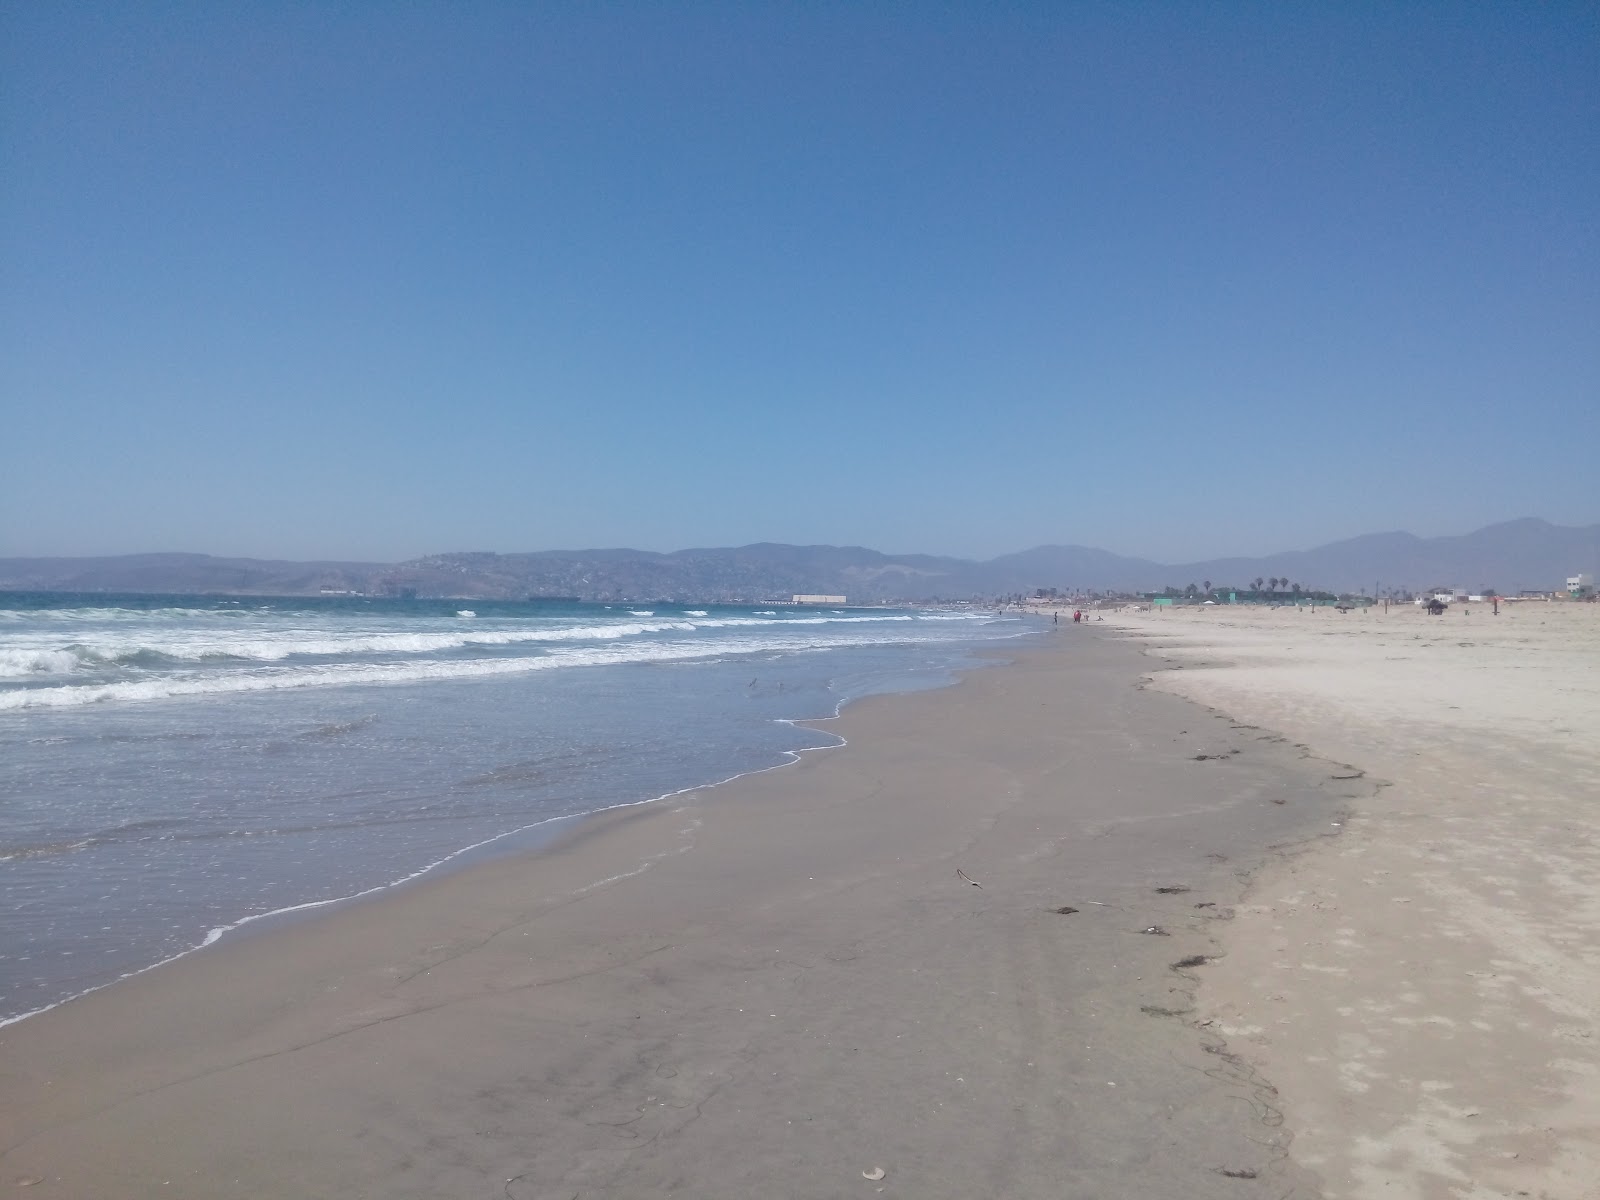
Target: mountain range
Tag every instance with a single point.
(1515, 555)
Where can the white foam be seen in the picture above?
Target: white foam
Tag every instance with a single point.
(251, 639)
(274, 678)
(245, 651)
(277, 645)
(21, 662)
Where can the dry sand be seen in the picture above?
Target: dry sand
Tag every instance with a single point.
(1423, 991)
(782, 986)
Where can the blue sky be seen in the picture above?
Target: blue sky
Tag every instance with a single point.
(318, 280)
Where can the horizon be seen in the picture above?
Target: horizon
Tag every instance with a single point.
(558, 550)
(348, 284)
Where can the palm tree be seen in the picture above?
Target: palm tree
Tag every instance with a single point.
(1257, 582)
(1273, 583)
(1207, 586)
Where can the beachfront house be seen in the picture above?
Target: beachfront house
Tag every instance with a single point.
(1580, 586)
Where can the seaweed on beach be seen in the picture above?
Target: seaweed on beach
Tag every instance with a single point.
(1194, 960)
(1155, 1010)
(1236, 1172)
(1172, 890)
(1066, 910)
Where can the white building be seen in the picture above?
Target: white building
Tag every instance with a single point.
(1582, 582)
(819, 599)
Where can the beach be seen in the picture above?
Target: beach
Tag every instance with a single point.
(1423, 991)
(188, 764)
(957, 955)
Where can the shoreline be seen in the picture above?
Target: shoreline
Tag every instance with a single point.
(1424, 991)
(529, 839)
(771, 985)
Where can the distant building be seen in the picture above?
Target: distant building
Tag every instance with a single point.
(1581, 584)
(819, 599)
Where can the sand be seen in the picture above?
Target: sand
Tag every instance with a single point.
(1424, 991)
(785, 985)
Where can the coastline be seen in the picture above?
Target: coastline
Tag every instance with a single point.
(257, 802)
(771, 986)
(1425, 990)
(520, 842)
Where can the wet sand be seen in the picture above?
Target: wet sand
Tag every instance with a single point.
(778, 987)
(1425, 990)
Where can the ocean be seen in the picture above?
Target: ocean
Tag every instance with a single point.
(174, 767)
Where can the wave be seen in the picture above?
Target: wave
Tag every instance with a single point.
(121, 616)
(22, 662)
(44, 849)
(274, 646)
(276, 678)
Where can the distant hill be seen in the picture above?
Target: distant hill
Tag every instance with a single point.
(183, 573)
(1528, 553)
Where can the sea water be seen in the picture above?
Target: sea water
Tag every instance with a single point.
(173, 767)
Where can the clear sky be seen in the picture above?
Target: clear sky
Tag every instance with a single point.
(373, 280)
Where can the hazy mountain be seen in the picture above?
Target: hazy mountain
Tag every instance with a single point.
(1513, 555)
(191, 573)
(1528, 553)
(1066, 566)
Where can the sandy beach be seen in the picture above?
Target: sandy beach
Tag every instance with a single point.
(1423, 991)
(955, 957)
